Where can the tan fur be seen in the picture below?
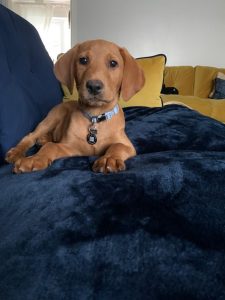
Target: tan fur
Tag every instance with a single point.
(64, 131)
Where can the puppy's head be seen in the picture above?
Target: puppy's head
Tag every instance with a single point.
(102, 70)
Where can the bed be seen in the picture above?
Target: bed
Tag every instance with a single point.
(154, 231)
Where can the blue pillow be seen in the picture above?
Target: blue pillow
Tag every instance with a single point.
(28, 87)
(219, 89)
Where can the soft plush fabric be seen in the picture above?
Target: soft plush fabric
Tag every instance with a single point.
(204, 79)
(155, 231)
(209, 107)
(28, 87)
(149, 95)
(180, 77)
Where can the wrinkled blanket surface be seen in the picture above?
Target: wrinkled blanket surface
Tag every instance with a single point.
(154, 231)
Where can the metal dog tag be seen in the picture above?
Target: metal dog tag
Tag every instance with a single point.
(91, 137)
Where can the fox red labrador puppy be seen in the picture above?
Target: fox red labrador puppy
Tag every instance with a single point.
(92, 125)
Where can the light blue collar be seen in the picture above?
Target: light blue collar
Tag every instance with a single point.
(105, 116)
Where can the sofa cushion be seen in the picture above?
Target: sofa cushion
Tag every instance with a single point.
(180, 77)
(149, 95)
(204, 80)
(209, 107)
(219, 89)
(221, 76)
(28, 87)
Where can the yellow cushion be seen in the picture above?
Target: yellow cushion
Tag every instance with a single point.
(149, 95)
(67, 95)
(180, 77)
(204, 80)
(209, 107)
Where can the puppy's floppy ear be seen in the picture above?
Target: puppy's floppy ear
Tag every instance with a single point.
(133, 76)
(64, 68)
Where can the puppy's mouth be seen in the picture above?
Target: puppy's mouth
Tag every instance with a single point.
(94, 101)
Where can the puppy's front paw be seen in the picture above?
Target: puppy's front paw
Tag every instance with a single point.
(108, 165)
(31, 163)
(14, 154)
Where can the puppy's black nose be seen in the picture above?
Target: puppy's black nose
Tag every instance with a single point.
(94, 87)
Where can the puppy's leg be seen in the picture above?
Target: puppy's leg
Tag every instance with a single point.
(21, 148)
(42, 130)
(114, 158)
(44, 139)
(45, 156)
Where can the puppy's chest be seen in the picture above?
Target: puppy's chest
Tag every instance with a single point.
(91, 139)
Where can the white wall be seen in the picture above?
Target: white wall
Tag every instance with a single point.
(189, 32)
(74, 21)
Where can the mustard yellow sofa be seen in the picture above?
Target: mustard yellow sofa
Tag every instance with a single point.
(195, 86)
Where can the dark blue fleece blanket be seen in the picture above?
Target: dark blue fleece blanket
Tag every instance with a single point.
(155, 231)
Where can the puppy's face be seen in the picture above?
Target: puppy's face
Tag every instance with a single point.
(99, 68)
(102, 70)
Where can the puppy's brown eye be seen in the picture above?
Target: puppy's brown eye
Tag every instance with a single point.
(113, 63)
(84, 60)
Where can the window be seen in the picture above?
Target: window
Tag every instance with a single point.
(51, 19)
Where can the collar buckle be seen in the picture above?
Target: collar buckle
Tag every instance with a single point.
(101, 118)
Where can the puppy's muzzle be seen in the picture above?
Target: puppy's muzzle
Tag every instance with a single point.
(94, 87)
